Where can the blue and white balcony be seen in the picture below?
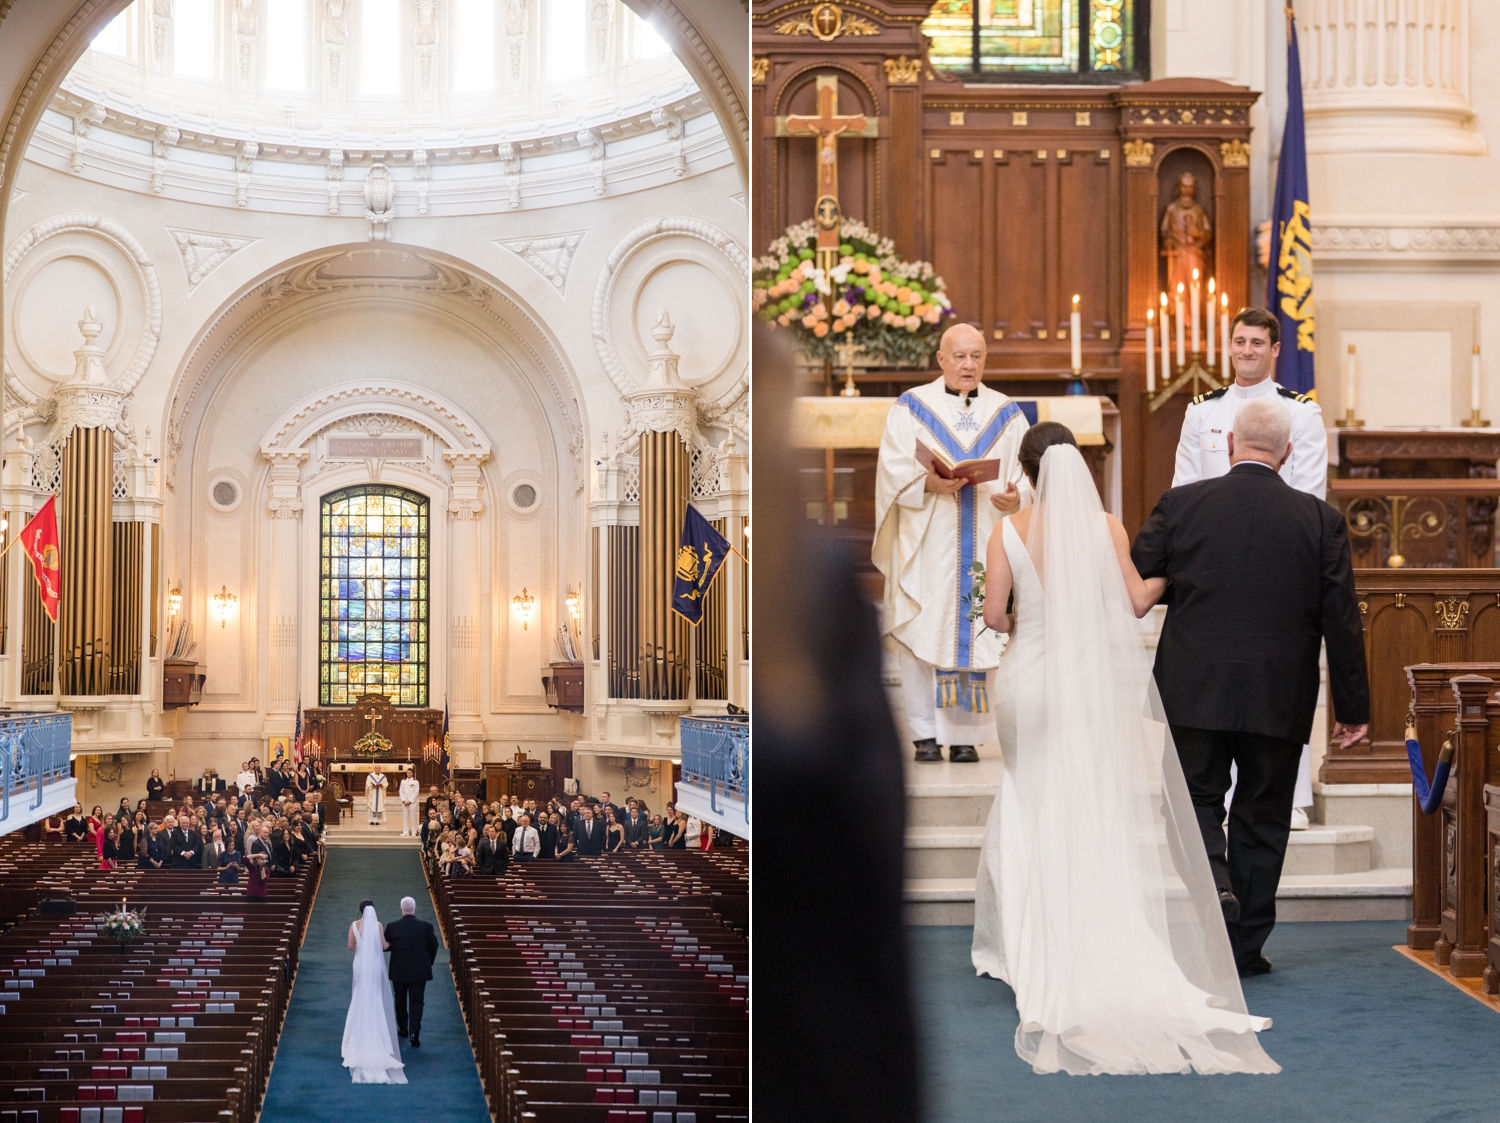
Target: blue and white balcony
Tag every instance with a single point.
(35, 776)
(715, 784)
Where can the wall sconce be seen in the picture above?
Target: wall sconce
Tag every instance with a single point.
(575, 606)
(524, 605)
(224, 602)
(174, 604)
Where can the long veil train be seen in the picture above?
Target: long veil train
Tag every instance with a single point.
(371, 1053)
(1094, 899)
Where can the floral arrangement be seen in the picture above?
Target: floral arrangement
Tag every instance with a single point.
(894, 309)
(373, 744)
(123, 925)
(976, 591)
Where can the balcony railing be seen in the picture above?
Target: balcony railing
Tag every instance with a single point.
(34, 751)
(716, 758)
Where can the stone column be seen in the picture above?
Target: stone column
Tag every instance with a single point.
(464, 509)
(285, 502)
(1381, 76)
(88, 411)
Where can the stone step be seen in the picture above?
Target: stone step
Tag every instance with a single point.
(953, 851)
(1383, 894)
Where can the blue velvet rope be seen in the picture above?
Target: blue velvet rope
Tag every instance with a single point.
(1429, 798)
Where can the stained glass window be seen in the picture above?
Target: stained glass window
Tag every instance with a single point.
(372, 596)
(1002, 39)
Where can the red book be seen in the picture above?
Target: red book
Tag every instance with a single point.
(973, 471)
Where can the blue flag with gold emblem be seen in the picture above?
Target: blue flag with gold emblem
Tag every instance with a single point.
(700, 553)
(1289, 279)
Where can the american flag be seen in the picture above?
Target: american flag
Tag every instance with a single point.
(297, 738)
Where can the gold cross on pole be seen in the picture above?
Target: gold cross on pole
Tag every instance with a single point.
(827, 127)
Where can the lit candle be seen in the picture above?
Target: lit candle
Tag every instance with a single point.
(1075, 327)
(1166, 335)
(1474, 381)
(1194, 299)
(1150, 350)
(1349, 384)
(1210, 323)
(1224, 331)
(1181, 351)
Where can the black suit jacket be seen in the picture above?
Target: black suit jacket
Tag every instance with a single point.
(547, 833)
(637, 832)
(589, 837)
(1258, 573)
(414, 946)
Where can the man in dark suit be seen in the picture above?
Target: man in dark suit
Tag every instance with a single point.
(414, 947)
(174, 842)
(546, 830)
(190, 853)
(637, 828)
(590, 834)
(1258, 576)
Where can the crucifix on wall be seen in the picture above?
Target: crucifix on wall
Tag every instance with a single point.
(373, 718)
(827, 127)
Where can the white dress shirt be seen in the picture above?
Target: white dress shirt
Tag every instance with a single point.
(1203, 450)
(245, 780)
(527, 842)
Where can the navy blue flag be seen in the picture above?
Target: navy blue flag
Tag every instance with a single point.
(1289, 279)
(445, 762)
(700, 554)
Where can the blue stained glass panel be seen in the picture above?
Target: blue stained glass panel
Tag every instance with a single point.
(373, 596)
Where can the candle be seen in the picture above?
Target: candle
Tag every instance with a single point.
(1349, 384)
(1166, 335)
(1224, 331)
(1210, 324)
(1194, 297)
(1150, 350)
(1474, 381)
(1075, 326)
(1181, 352)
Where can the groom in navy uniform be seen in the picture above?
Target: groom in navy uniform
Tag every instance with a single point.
(414, 947)
(1258, 577)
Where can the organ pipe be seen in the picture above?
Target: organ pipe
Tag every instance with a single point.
(87, 517)
(125, 612)
(665, 646)
(624, 589)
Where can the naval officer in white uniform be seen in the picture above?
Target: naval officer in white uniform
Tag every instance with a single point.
(1203, 451)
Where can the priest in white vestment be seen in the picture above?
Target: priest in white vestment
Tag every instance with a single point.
(375, 783)
(410, 790)
(930, 531)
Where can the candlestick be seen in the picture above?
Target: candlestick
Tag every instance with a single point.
(1075, 328)
(1349, 421)
(1150, 350)
(1209, 318)
(1194, 296)
(1224, 332)
(1181, 351)
(1474, 420)
(1166, 335)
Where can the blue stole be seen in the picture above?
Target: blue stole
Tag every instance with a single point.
(953, 690)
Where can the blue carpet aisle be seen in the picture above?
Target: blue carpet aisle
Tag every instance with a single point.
(309, 1083)
(1361, 1034)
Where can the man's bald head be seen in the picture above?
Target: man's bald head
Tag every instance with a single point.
(961, 357)
(1262, 432)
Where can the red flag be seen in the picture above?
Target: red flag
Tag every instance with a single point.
(39, 540)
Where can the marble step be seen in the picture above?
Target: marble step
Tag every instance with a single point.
(1383, 894)
(953, 851)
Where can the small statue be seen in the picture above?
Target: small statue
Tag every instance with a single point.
(1186, 234)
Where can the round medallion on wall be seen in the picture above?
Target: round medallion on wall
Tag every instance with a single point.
(224, 494)
(523, 498)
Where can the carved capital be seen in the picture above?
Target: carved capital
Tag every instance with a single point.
(1138, 153)
(1236, 154)
(759, 68)
(903, 71)
(285, 508)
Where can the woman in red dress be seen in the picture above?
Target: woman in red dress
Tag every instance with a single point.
(258, 864)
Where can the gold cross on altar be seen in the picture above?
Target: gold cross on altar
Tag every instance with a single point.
(372, 719)
(827, 126)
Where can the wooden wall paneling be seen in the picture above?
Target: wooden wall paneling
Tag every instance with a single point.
(904, 157)
(1052, 227)
(1020, 245)
(762, 163)
(955, 187)
(1232, 254)
(1430, 700)
(1137, 433)
(1468, 959)
(1083, 246)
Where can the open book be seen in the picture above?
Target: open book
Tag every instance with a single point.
(974, 471)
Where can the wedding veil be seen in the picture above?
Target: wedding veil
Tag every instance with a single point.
(370, 1050)
(1129, 892)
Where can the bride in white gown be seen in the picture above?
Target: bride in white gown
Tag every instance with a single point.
(371, 1053)
(1094, 899)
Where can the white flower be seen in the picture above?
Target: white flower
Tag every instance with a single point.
(840, 273)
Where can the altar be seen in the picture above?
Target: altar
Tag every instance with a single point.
(332, 731)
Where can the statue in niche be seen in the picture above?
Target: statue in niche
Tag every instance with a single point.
(517, 21)
(1186, 234)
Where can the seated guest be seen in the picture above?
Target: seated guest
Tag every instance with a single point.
(75, 829)
(527, 844)
(155, 786)
(566, 851)
(589, 837)
(637, 828)
(463, 861)
(230, 861)
(658, 838)
(614, 833)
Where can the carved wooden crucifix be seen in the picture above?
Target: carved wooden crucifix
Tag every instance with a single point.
(372, 719)
(827, 126)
